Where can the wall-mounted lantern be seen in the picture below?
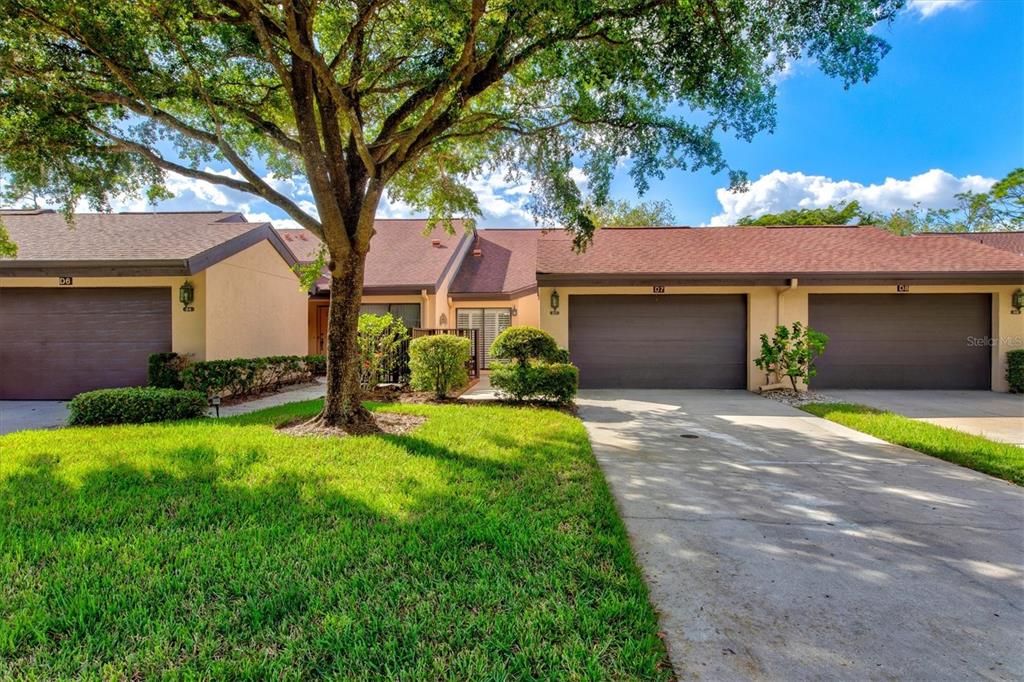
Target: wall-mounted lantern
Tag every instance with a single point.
(187, 295)
(515, 311)
(555, 301)
(1017, 302)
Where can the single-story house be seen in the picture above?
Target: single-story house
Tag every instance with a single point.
(83, 307)
(640, 307)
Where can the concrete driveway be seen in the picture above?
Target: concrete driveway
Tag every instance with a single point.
(998, 416)
(18, 415)
(781, 546)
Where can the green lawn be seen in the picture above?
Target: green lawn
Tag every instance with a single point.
(484, 545)
(974, 452)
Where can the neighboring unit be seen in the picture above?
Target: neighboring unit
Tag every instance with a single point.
(83, 307)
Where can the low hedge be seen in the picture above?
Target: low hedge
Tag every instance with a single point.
(555, 382)
(1015, 370)
(317, 365)
(134, 406)
(246, 376)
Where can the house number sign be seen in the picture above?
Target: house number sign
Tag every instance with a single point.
(902, 288)
(65, 281)
(658, 289)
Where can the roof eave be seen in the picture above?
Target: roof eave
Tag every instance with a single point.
(780, 278)
(94, 268)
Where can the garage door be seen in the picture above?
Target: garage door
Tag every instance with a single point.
(659, 341)
(55, 343)
(911, 341)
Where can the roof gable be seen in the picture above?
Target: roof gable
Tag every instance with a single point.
(402, 257)
(500, 261)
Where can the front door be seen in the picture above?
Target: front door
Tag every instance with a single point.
(321, 328)
(489, 322)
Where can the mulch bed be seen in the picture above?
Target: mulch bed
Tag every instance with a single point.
(389, 423)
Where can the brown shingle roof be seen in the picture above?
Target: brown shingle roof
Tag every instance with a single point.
(401, 258)
(745, 252)
(1004, 241)
(186, 241)
(507, 264)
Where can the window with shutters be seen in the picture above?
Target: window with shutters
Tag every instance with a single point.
(489, 322)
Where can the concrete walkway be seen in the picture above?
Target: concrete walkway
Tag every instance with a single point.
(998, 416)
(290, 394)
(20, 415)
(779, 546)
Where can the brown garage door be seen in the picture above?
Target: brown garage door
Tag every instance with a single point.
(55, 343)
(659, 341)
(923, 341)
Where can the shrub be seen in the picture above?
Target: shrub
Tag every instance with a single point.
(1015, 370)
(165, 370)
(316, 365)
(380, 339)
(560, 355)
(245, 376)
(523, 344)
(134, 406)
(791, 353)
(438, 363)
(550, 381)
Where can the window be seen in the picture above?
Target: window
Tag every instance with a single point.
(489, 322)
(409, 313)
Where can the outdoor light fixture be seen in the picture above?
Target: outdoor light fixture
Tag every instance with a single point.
(554, 302)
(187, 295)
(215, 404)
(515, 311)
(1017, 302)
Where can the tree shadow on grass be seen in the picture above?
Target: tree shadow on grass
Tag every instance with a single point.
(208, 562)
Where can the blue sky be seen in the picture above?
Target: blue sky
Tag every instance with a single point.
(945, 114)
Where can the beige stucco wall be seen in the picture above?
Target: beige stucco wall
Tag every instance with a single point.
(768, 306)
(188, 329)
(254, 306)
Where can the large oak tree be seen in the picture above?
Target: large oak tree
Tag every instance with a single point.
(99, 98)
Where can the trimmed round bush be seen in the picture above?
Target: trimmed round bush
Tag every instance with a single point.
(523, 344)
(134, 406)
(438, 363)
(555, 382)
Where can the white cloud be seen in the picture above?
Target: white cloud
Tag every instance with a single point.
(929, 8)
(779, 191)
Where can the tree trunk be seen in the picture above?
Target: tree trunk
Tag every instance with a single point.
(343, 405)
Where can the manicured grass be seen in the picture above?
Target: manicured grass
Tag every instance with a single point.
(483, 545)
(974, 452)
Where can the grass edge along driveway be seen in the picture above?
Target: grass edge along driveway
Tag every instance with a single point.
(483, 545)
(1002, 460)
